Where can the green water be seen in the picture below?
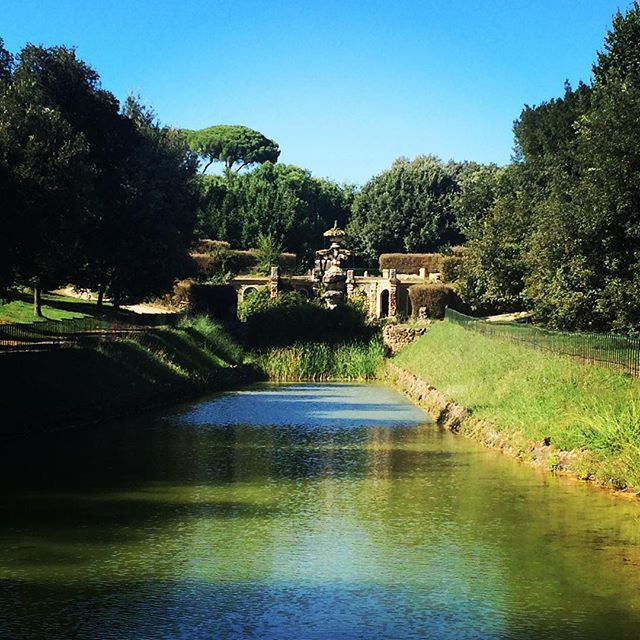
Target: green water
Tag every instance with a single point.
(304, 511)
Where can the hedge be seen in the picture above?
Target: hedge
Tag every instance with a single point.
(433, 297)
(219, 259)
(411, 262)
(451, 268)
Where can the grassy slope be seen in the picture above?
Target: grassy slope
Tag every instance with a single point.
(68, 386)
(22, 311)
(538, 394)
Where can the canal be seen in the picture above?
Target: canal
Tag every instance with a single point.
(304, 512)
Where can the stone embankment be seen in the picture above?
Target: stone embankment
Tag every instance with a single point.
(397, 336)
(458, 419)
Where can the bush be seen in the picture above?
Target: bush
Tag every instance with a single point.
(433, 297)
(290, 318)
(179, 296)
(451, 268)
(214, 260)
(253, 302)
(411, 262)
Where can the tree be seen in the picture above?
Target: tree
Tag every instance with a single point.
(47, 156)
(494, 270)
(409, 207)
(283, 202)
(151, 231)
(234, 145)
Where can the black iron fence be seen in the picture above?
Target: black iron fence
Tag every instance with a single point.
(616, 351)
(74, 331)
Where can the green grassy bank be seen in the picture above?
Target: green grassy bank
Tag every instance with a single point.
(359, 360)
(63, 387)
(528, 396)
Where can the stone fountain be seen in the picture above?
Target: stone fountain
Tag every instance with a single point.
(328, 270)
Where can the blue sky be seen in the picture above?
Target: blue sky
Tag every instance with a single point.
(344, 87)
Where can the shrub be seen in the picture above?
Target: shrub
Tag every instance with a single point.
(290, 318)
(178, 297)
(433, 297)
(253, 302)
(451, 267)
(411, 262)
(214, 260)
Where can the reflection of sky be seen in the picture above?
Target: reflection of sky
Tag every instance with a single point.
(309, 405)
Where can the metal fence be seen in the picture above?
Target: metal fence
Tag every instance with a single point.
(611, 350)
(74, 331)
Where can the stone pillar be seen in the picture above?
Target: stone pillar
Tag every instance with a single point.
(423, 273)
(393, 293)
(373, 300)
(274, 282)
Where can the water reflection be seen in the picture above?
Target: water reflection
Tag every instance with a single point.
(313, 406)
(304, 524)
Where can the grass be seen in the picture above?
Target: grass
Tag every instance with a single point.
(21, 311)
(68, 386)
(322, 361)
(537, 394)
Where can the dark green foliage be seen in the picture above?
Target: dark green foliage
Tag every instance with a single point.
(290, 317)
(492, 278)
(216, 300)
(282, 202)
(411, 262)
(91, 194)
(563, 235)
(234, 145)
(406, 208)
(433, 297)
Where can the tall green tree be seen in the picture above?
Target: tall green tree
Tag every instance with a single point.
(409, 207)
(47, 155)
(152, 229)
(234, 145)
(283, 202)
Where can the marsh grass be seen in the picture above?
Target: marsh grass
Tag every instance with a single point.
(538, 394)
(322, 361)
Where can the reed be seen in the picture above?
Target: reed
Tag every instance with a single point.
(322, 361)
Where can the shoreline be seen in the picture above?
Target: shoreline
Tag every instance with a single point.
(460, 420)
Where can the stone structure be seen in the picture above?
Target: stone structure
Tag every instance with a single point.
(386, 295)
(328, 269)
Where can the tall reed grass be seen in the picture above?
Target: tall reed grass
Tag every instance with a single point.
(321, 361)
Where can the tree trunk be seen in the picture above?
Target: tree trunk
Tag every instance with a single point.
(101, 289)
(115, 300)
(37, 301)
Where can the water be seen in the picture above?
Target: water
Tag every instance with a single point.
(304, 511)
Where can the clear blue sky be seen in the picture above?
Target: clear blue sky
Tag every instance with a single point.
(345, 86)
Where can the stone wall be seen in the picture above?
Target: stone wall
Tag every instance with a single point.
(397, 336)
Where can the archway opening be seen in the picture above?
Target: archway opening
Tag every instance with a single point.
(384, 304)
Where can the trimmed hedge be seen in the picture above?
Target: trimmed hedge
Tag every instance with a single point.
(214, 257)
(411, 262)
(433, 297)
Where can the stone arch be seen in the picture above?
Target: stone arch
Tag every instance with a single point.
(245, 291)
(384, 303)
